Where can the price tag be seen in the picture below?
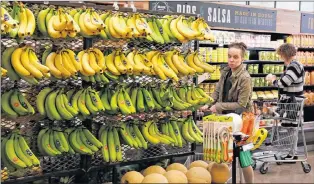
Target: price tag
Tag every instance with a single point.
(248, 147)
(202, 77)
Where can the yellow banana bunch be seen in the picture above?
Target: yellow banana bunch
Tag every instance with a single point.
(90, 22)
(8, 23)
(201, 25)
(57, 23)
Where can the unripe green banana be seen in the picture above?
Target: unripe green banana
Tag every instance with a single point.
(40, 100)
(124, 108)
(39, 141)
(27, 151)
(11, 154)
(20, 153)
(57, 141)
(5, 104)
(66, 135)
(4, 159)
(86, 142)
(51, 105)
(114, 102)
(75, 99)
(68, 106)
(140, 136)
(182, 94)
(82, 104)
(156, 104)
(111, 146)
(177, 132)
(16, 104)
(63, 140)
(64, 113)
(6, 63)
(124, 134)
(192, 133)
(25, 103)
(150, 138)
(104, 100)
(92, 138)
(148, 99)
(156, 94)
(45, 143)
(97, 77)
(133, 134)
(185, 132)
(104, 79)
(52, 142)
(96, 99)
(128, 101)
(77, 145)
(140, 101)
(135, 144)
(134, 97)
(172, 134)
(89, 103)
(117, 144)
(104, 141)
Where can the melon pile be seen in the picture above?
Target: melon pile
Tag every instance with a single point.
(198, 172)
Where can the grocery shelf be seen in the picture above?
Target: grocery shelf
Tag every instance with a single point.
(265, 88)
(217, 63)
(262, 62)
(210, 44)
(261, 49)
(263, 74)
(308, 87)
(309, 67)
(210, 80)
(305, 49)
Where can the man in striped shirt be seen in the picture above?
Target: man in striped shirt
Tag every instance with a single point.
(290, 87)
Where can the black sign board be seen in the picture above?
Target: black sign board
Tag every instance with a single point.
(221, 15)
(307, 23)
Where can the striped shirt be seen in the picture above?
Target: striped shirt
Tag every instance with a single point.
(291, 81)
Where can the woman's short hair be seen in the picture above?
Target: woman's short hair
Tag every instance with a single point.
(239, 45)
(287, 50)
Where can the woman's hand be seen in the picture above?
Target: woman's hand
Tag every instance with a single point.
(204, 108)
(213, 109)
(270, 78)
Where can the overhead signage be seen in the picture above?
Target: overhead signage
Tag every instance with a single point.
(221, 15)
(307, 23)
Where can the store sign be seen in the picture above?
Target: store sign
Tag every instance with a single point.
(220, 15)
(307, 23)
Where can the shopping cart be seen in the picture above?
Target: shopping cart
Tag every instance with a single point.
(283, 137)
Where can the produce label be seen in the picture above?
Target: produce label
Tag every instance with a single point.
(221, 15)
(307, 23)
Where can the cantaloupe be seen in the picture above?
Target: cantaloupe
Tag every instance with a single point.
(199, 163)
(210, 165)
(220, 173)
(132, 177)
(198, 175)
(178, 167)
(174, 176)
(155, 178)
(154, 169)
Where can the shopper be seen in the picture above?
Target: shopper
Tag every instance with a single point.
(233, 93)
(290, 87)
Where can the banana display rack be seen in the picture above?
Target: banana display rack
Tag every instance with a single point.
(69, 117)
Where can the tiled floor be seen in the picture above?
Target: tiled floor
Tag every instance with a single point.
(286, 173)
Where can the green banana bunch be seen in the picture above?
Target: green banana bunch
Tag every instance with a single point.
(16, 154)
(191, 132)
(111, 146)
(15, 104)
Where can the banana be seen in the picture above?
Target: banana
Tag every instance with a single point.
(86, 142)
(189, 97)
(105, 101)
(124, 108)
(50, 103)
(155, 34)
(128, 130)
(104, 141)
(140, 101)
(81, 103)
(63, 140)
(104, 79)
(156, 93)
(134, 97)
(135, 138)
(5, 104)
(193, 132)
(68, 63)
(50, 63)
(66, 135)
(167, 70)
(150, 138)
(117, 144)
(6, 63)
(174, 30)
(61, 65)
(20, 153)
(23, 22)
(45, 143)
(153, 132)
(77, 144)
(16, 104)
(52, 143)
(17, 63)
(178, 64)
(157, 68)
(89, 103)
(49, 22)
(26, 150)
(25, 103)
(35, 62)
(131, 24)
(68, 106)
(39, 141)
(137, 68)
(110, 63)
(93, 63)
(157, 106)
(163, 32)
(148, 99)
(166, 27)
(31, 22)
(47, 51)
(128, 101)
(118, 63)
(185, 132)
(111, 146)
(92, 138)
(28, 66)
(177, 132)
(126, 63)
(40, 100)
(168, 59)
(208, 68)
(100, 58)
(11, 155)
(190, 62)
(4, 158)
(114, 102)
(124, 134)
(140, 136)
(57, 141)
(96, 99)
(185, 30)
(64, 113)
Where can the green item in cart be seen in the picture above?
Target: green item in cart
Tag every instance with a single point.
(245, 159)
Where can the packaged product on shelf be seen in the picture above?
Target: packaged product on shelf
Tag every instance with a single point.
(220, 54)
(261, 55)
(277, 69)
(255, 68)
(225, 57)
(250, 69)
(202, 53)
(247, 55)
(272, 69)
(208, 54)
(282, 68)
(214, 56)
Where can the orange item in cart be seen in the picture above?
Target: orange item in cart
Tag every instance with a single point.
(248, 123)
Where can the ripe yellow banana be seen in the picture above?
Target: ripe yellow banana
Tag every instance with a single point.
(36, 63)
(166, 69)
(208, 68)
(60, 23)
(178, 64)
(175, 32)
(86, 66)
(185, 30)
(168, 59)
(31, 23)
(67, 63)
(88, 21)
(75, 61)
(28, 66)
(156, 68)
(118, 63)
(23, 22)
(51, 31)
(50, 63)
(190, 62)
(93, 62)
(137, 68)
(17, 63)
(100, 58)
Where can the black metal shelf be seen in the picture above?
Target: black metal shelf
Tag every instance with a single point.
(305, 49)
(217, 63)
(27, 179)
(261, 49)
(265, 88)
(263, 74)
(309, 67)
(262, 62)
(210, 81)
(209, 44)
(306, 87)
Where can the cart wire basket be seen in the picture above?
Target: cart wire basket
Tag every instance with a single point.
(283, 137)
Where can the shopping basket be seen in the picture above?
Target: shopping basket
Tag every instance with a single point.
(288, 121)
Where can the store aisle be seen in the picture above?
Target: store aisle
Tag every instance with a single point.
(286, 173)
